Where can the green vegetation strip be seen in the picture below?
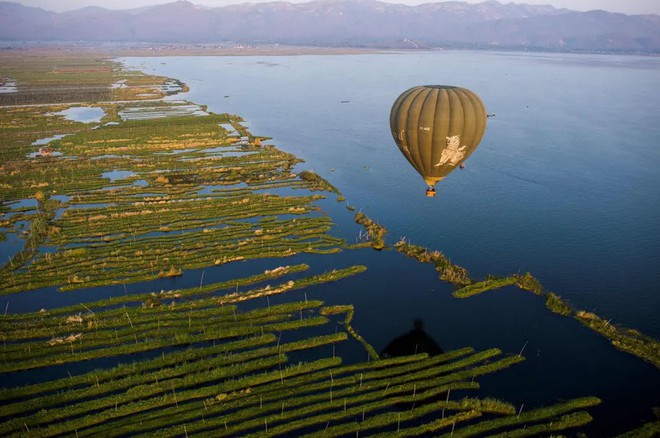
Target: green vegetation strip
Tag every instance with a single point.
(449, 272)
(124, 370)
(528, 417)
(375, 231)
(648, 430)
(483, 286)
(622, 338)
(165, 377)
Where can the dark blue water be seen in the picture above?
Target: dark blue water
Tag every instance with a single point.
(565, 185)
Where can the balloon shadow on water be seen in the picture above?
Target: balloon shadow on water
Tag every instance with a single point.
(413, 342)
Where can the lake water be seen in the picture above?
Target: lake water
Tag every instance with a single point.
(565, 185)
(82, 114)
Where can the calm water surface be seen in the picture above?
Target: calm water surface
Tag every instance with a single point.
(565, 185)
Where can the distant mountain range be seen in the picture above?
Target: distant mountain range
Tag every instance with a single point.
(344, 23)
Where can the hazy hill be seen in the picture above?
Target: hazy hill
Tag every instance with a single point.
(344, 23)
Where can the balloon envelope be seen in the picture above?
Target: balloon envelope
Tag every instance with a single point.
(437, 127)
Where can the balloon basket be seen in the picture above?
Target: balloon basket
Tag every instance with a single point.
(430, 192)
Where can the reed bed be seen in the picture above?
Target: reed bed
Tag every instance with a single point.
(375, 231)
(622, 338)
(483, 286)
(449, 271)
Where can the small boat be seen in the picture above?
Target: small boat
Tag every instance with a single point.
(345, 101)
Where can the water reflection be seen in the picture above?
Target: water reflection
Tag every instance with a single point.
(413, 342)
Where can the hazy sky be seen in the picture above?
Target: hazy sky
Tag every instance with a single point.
(625, 6)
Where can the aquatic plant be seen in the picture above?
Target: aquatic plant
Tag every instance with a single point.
(449, 272)
(375, 231)
(557, 305)
(483, 286)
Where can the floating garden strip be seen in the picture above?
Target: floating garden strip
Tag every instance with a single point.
(105, 422)
(147, 344)
(622, 338)
(374, 370)
(268, 403)
(450, 272)
(568, 421)
(159, 377)
(330, 276)
(400, 417)
(101, 264)
(94, 340)
(528, 417)
(483, 286)
(36, 317)
(98, 383)
(371, 351)
(335, 411)
(397, 379)
(159, 394)
(375, 231)
(98, 376)
(436, 425)
(137, 320)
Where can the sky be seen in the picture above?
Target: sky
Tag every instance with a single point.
(625, 6)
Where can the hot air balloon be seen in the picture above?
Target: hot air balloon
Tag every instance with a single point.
(437, 127)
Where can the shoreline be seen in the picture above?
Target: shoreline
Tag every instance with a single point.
(149, 50)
